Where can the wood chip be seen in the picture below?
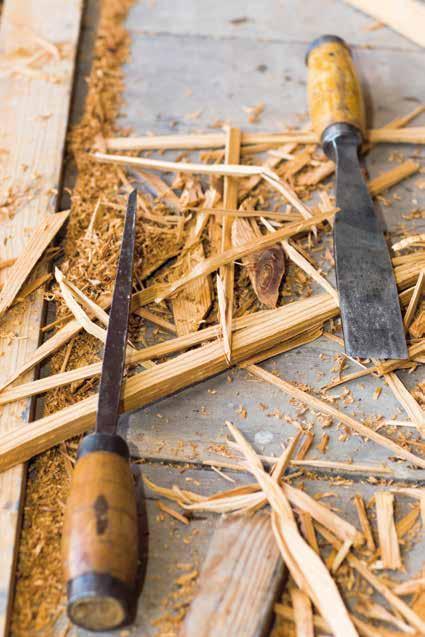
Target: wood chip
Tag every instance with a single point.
(388, 540)
(41, 237)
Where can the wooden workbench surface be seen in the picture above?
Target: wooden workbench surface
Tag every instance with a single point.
(194, 63)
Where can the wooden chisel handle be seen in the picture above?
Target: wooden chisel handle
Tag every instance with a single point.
(334, 92)
(100, 535)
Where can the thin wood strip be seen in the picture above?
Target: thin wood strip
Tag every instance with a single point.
(392, 177)
(155, 319)
(414, 301)
(407, 400)
(388, 540)
(364, 521)
(218, 140)
(243, 214)
(303, 613)
(411, 240)
(159, 350)
(227, 272)
(382, 368)
(326, 408)
(33, 141)
(308, 531)
(41, 237)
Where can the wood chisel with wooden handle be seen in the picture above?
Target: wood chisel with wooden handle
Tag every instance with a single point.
(100, 535)
(370, 309)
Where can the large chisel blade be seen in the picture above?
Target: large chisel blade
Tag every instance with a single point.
(370, 309)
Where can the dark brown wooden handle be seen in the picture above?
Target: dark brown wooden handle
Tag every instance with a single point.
(100, 538)
(334, 91)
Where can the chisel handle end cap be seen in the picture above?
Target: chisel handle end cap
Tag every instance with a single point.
(100, 536)
(334, 91)
(323, 39)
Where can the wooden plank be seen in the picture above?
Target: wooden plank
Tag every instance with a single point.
(34, 113)
(407, 17)
(239, 582)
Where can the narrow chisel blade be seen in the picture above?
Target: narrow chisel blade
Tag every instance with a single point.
(116, 338)
(370, 308)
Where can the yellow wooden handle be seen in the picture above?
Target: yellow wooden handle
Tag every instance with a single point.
(334, 92)
(100, 539)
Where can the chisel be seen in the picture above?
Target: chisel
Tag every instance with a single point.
(100, 538)
(370, 309)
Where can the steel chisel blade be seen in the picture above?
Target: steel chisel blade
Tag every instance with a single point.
(370, 308)
(116, 338)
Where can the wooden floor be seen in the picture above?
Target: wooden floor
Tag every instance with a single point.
(194, 63)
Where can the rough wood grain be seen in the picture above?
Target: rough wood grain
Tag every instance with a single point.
(240, 580)
(303, 613)
(266, 268)
(34, 113)
(192, 303)
(24, 264)
(388, 541)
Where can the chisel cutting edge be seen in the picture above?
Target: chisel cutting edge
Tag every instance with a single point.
(370, 309)
(100, 538)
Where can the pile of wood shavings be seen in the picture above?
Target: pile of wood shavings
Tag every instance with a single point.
(39, 589)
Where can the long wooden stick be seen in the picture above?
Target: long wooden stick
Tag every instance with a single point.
(414, 135)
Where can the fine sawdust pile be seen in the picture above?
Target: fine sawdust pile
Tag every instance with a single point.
(196, 218)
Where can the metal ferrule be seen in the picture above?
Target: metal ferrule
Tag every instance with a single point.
(336, 132)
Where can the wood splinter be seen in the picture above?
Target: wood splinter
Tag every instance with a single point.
(388, 540)
(265, 268)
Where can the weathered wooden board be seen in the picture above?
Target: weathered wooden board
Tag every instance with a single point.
(239, 582)
(34, 106)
